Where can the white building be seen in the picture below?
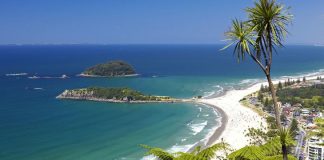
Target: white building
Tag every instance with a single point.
(305, 112)
(315, 149)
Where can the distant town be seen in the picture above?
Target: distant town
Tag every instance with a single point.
(301, 101)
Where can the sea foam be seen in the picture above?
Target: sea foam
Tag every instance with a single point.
(197, 127)
(16, 74)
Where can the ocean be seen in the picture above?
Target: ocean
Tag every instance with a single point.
(34, 125)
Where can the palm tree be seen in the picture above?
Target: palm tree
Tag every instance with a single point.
(285, 141)
(259, 36)
(197, 154)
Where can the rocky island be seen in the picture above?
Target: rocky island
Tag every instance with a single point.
(114, 95)
(110, 69)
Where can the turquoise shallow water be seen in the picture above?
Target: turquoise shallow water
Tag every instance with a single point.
(34, 125)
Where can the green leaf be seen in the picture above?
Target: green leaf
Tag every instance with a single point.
(277, 157)
(249, 153)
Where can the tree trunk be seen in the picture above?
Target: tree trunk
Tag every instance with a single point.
(284, 152)
(274, 99)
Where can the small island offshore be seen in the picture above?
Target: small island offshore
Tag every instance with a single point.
(110, 69)
(115, 95)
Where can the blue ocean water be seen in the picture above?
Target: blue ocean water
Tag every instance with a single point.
(34, 125)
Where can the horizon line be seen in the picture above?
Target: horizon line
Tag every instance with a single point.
(106, 44)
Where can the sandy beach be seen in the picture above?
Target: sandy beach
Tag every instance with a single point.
(238, 118)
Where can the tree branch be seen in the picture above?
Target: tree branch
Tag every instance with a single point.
(258, 62)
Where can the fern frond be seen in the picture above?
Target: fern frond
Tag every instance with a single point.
(272, 147)
(209, 152)
(290, 157)
(248, 152)
(158, 152)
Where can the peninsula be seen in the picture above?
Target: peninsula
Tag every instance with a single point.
(115, 95)
(110, 69)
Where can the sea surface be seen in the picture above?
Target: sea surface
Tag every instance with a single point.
(34, 125)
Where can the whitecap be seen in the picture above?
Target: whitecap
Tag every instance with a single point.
(64, 76)
(249, 81)
(34, 77)
(217, 91)
(16, 74)
(181, 148)
(198, 127)
(208, 94)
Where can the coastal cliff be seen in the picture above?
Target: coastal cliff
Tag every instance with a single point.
(114, 95)
(110, 69)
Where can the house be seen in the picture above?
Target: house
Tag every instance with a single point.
(318, 84)
(128, 98)
(297, 106)
(310, 119)
(286, 105)
(305, 112)
(253, 100)
(287, 111)
(296, 113)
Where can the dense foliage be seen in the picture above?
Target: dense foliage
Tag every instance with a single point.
(110, 69)
(119, 93)
(124, 94)
(307, 96)
(294, 127)
(319, 132)
(272, 149)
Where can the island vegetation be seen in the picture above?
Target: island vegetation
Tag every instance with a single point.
(110, 69)
(117, 95)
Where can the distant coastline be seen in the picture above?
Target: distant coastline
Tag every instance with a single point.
(122, 101)
(116, 95)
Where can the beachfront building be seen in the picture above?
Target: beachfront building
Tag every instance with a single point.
(315, 149)
(319, 83)
(305, 112)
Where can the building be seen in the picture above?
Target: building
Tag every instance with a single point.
(305, 112)
(315, 149)
(287, 111)
(318, 84)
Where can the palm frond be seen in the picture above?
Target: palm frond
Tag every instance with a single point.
(242, 37)
(286, 137)
(269, 19)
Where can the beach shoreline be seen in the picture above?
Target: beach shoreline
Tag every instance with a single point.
(219, 130)
(237, 118)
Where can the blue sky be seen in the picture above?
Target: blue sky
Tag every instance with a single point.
(141, 21)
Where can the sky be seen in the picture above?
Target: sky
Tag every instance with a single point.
(142, 21)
